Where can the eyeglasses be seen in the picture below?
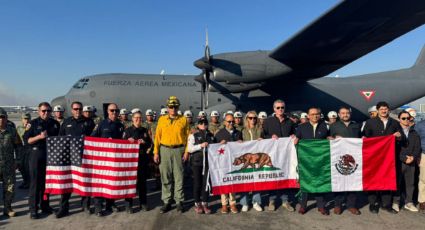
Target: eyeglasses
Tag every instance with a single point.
(404, 118)
(46, 111)
(252, 118)
(280, 107)
(114, 110)
(77, 109)
(230, 122)
(137, 117)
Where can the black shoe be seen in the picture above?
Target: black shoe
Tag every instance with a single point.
(48, 210)
(180, 208)
(165, 208)
(99, 213)
(374, 208)
(61, 213)
(391, 210)
(34, 215)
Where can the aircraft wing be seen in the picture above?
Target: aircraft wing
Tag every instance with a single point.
(345, 33)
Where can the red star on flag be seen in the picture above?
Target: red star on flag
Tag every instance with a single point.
(221, 151)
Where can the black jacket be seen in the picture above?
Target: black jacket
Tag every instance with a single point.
(201, 136)
(340, 129)
(139, 133)
(374, 127)
(409, 146)
(272, 125)
(223, 134)
(305, 131)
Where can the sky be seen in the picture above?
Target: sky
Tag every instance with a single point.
(47, 45)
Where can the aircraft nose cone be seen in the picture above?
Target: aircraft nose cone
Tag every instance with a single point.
(202, 63)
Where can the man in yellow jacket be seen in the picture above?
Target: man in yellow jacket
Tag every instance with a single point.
(170, 151)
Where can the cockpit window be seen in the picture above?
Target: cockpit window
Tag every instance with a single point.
(81, 83)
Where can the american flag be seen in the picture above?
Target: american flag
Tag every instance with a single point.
(91, 166)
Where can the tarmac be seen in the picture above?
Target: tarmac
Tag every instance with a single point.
(152, 219)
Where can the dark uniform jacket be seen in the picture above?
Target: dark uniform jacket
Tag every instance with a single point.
(410, 145)
(39, 125)
(305, 131)
(139, 133)
(340, 129)
(77, 127)
(109, 129)
(272, 125)
(200, 137)
(374, 127)
(223, 134)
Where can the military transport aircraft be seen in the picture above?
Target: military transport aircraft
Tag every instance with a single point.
(293, 71)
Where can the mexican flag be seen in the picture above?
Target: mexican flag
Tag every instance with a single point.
(253, 166)
(347, 164)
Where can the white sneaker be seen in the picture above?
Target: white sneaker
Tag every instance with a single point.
(396, 207)
(257, 207)
(245, 208)
(410, 207)
(288, 207)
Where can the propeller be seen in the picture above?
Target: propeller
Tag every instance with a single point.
(205, 65)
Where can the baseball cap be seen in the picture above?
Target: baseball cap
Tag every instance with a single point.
(188, 113)
(149, 112)
(202, 114)
(88, 108)
(332, 114)
(203, 121)
(214, 114)
(26, 116)
(238, 114)
(262, 115)
(58, 108)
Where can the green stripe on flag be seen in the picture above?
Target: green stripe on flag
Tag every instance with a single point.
(314, 166)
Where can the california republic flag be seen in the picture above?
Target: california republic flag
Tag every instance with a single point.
(253, 166)
(347, 164)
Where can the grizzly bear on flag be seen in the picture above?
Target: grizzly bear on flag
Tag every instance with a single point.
(255, 160)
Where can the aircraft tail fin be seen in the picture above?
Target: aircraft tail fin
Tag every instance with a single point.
(420, 61)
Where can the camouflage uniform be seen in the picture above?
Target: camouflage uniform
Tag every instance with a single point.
(22, 158)
(214, 127)
(9, 140)
(153, 167)
(127, 124)
(239, 127)
(96, 120)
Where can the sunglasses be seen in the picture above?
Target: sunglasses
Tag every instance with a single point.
(46, 111)
(77, 109)
(404, 118)
(203, 123)
(230, 122)
(252, 118)
(114, 110)
(282, 107)
(173, 107)
(2, 116)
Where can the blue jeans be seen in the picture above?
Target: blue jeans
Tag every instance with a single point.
(285, 195)
(256, 198)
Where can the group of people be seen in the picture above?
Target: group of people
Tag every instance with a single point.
(176, 140)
